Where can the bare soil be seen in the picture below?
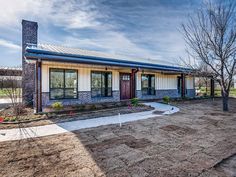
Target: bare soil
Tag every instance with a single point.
(199, 141)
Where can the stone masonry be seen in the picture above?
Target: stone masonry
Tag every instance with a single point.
(84, 97)
(173, 93)
(29, 36)
(190, 93)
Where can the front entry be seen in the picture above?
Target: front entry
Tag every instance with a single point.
(125, 86)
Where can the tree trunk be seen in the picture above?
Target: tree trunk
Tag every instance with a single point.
(225, 99)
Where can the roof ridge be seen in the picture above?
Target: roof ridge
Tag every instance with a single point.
(64, 49)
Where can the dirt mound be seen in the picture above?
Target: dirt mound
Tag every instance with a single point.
(178, 129)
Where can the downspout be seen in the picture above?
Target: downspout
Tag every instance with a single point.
(133, 82)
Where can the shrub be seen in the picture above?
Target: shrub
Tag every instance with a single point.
(6, 119)
(82, 107)
(93, 107)
(166, 99)
(134, 101)
(13, 119)
(57, 106)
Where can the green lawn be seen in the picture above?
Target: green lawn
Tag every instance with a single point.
(3, 93)
(217, 91)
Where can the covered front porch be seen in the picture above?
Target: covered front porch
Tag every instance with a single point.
(73, 83)
(75, 76)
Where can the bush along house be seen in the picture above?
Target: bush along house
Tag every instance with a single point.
(75, 76)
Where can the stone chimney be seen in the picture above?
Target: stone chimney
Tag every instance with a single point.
(29, 36)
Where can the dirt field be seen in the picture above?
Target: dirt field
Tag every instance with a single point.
(200, 141)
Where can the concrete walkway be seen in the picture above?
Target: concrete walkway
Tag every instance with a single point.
(52, 129)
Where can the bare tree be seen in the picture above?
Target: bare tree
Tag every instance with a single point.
(210, 35)
(10, 85)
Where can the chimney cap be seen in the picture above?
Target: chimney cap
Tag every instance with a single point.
(29, 22)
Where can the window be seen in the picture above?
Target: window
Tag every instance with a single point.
(126, 77)
(63, 83)
(101, 84)
(148, 84)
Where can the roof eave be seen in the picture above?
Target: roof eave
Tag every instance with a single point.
(48, 56)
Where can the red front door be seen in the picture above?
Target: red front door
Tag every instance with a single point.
(125, 86)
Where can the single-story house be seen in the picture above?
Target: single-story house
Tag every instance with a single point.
(76, 76)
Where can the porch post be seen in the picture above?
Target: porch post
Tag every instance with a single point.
(36, 88)
(133, 82)
(40, 86)
(212, 87)
(183, 85)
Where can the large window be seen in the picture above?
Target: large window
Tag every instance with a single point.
(63, 83)
(148, 84)
(101, 84)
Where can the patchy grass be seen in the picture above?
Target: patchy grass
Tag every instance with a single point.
(3, 93)
(217, 91)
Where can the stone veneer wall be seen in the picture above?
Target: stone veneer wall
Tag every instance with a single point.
(173, 93)
(84, 97)
(29, 36)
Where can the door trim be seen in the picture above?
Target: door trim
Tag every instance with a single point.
(120, 74)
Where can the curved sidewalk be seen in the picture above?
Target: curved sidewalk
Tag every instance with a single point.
(52, 129)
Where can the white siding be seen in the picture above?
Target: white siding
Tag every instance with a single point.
(189, 82)
(115, 80)
(138, 81)
(162, 81)
(165, 82)
(84, 77)
(45, 80)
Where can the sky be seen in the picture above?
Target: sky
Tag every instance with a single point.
(134, 28)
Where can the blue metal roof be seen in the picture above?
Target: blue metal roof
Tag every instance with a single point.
(34, 53)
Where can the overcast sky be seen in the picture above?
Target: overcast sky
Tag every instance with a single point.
(140, 28)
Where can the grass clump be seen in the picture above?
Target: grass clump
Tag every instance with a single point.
(57, 106)
(134, 101)
(166, 99)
